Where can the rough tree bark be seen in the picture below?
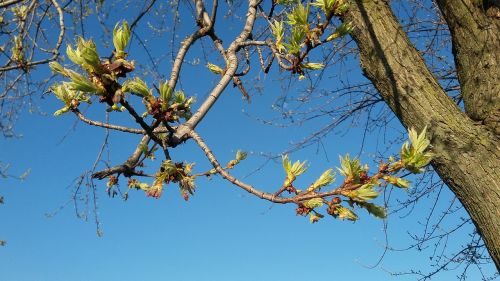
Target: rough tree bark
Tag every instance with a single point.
(466, 144)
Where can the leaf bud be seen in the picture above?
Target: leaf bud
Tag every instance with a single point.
(121, 38)
(215, 68)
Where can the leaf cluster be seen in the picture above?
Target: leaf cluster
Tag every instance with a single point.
(303, 32)
(359, 188)
(414, 153)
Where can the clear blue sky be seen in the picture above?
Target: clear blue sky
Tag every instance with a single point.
(222, 233)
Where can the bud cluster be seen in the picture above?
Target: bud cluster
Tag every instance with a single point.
(358, 187)
(300, 33)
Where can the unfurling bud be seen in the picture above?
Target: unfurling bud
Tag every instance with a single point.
(74, 55)
(325, 179)
(121, 38)
(312, 66)
(136, 87)
(240, 156)
(215, 68)
(80, 83)
(61, 111)
(17, 50)
(399, 182)
(342, 30)
(165, 92)
(89, 54)
(85, 55)
(69, 96)
(58, 68)
(346, 214)
(292, 171)
(414, 154)
(313, 203)
(362, 194)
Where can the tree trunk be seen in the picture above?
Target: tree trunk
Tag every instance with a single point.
(467, 155)
(475, 32)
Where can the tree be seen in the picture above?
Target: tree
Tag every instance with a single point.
(466, 145)
(465, 142)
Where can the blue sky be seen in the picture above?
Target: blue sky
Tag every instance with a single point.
(222, 233)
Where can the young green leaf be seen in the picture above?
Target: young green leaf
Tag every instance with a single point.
(342, 30)
(121, 38)
(81, 83)
(414, 154)
(313, 203)
(165, 92)
(215, 68)
(299, 16)
(278, 31)
(136, 87)
(346, 214)
(58, 68)
(325, 179)
(375, 210)
(362, 194)
(292, 170)
(312, 66)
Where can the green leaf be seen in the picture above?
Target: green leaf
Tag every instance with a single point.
(90, 55)
(414, 154)
(363, 193)
(180, 97)
(165, 92)
(61, 111)
(287, 164)
(375, 210)
(121, 38)
(327, 178)
(57, 68)
(312, 66)
(295, 41)
(136, 87)
(350, 168)
(326, 5)
(215, 68)
(81, 83)
(292, 170)
(85, 55)
(342, 7)
(346, 214)
(74, 55)
(299, 16)
(240, 156)
(399, 182)
(313, 203)
(342, 30)
(278, 31)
